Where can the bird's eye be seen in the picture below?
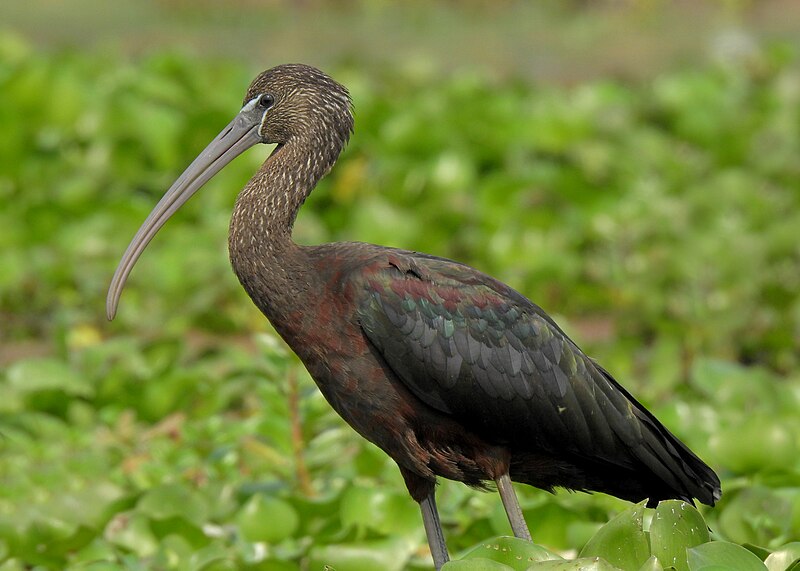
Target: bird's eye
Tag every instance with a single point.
(266, 101)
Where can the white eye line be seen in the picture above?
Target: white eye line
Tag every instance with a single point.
(250, 105)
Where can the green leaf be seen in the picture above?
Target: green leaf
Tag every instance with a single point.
(676, 526)
(379, 508)
(760, 441)
(511, 551)
(724, 555)
(756, 515)
(387, 554)
(783, 557)
(47, 374)
(131, 531)
(477, 564)
(553, 523)
(83, 402)
(179, 527)
(13, 565)
(175, 548)
(582, 564)
(652, 564)
(174, 500)
(209, 556)
(621, 541)
(266, 518)
(97, 566)
(760, 552)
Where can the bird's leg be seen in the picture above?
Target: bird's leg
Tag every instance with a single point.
(433, 529)
(513, 511)
(423, 491)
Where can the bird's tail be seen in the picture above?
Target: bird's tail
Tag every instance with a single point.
(684, 475)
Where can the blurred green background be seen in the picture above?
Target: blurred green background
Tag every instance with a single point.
(632, 167)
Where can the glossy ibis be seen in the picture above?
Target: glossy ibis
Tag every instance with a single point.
(451, 372)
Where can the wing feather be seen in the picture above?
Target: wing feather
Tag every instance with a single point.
(475, 349)
(479, 354)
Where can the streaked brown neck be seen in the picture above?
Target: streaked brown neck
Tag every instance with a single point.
(271, 267)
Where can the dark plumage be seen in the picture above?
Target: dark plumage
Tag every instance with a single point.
(474, 349)
(449, 371)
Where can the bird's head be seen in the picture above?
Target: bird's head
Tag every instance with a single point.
(287, 103)
(298, 100)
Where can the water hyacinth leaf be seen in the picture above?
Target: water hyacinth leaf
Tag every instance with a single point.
(131, 531)
(580, 532)
(510, 551)
(82, 536)
(553, 522)
(355, 510)
(265, 565)
(723, 555)
(97, 550)
(97, 566)
(385, 554)
(729, 382)
(174, 548)
(582, 564)
(757, 515)
(621, 541)
(212, 555)
(267, 519)
(478, 564)
(59, 535)
(652, 564)
(319, 516)
(784, 557)
(77, 176)
(760, 552)
(174, 500)
(380, 509)
(759, 442)
(91, 505)
(676, 526)
(185, 531)
(33, 375)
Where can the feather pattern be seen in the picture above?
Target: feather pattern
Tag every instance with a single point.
(478, 351)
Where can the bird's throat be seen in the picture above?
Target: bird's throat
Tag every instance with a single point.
(273, 269)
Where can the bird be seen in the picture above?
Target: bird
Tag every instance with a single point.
(449, 371)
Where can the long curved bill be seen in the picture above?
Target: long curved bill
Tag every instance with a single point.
(237, 137)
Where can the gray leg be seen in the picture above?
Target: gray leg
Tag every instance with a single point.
(513, 511)
(433, 529)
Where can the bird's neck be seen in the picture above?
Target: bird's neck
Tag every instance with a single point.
(271, 267)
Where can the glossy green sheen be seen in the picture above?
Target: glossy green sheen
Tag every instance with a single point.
(675, 527)
(511, 375)
(723, 555)
(621, 541)
(511, 551)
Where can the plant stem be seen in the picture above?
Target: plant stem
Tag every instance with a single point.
(298, 446)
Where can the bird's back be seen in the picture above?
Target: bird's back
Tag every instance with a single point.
(482, 354)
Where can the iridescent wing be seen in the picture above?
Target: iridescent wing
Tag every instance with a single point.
(475, 349)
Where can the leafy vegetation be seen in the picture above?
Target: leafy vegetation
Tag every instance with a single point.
(659, 221)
